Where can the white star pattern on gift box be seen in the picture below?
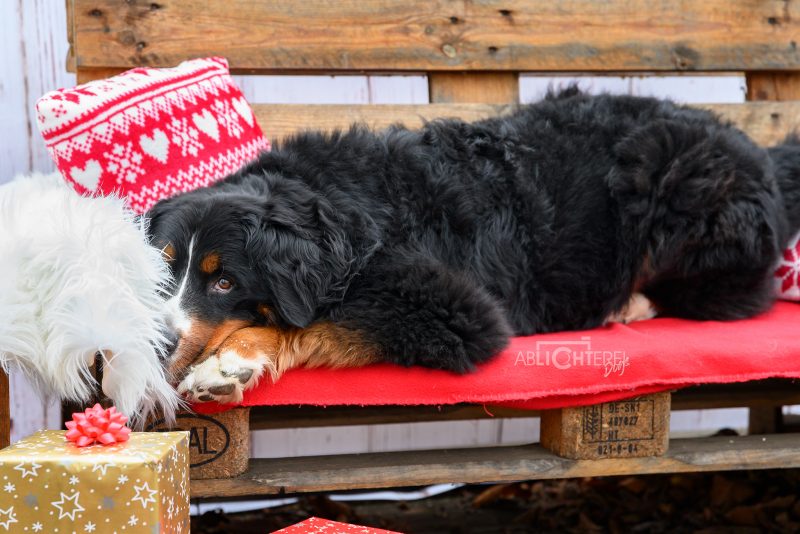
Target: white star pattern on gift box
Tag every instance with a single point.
(89, 527)
(144, 494)
(37, 527)
(73, 480)
(68, 506)
(9, 488)
(7, 517)
(25, 472)
(101, 467)
(133, 521)
(122, 479)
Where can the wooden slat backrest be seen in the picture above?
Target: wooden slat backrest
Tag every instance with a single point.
(472, 52)
(442, 35)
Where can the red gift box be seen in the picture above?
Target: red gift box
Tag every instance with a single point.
(317, 525)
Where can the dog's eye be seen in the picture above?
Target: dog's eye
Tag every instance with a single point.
(223, 285)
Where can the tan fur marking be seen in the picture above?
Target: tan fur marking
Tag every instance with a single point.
(645, 274)
(266, 312)
(168, 252)
(200, 343)
(210, 263)
(321, 344)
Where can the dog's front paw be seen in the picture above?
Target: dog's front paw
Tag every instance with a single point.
(223, 377)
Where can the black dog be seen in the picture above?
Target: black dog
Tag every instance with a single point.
(432, 247)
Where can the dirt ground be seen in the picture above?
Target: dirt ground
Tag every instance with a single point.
(735, 502)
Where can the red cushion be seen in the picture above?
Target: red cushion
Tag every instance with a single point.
(148, 133)
(566, 368)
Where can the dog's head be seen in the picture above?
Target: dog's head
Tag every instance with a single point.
(260, 249)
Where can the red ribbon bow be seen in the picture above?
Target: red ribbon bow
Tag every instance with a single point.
(97, 424)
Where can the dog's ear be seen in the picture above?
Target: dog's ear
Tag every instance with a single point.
(155, 217)
(301, 249)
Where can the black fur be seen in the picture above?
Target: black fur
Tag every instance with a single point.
(439, 244)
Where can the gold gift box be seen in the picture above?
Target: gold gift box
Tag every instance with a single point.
(48, 485)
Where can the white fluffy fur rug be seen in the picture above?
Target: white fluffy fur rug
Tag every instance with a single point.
(77, 277)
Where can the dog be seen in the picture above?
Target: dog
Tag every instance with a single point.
(79, 278)
(431, 247)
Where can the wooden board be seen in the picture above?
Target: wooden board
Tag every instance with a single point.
(5, 410)
(494, 464)
(630, 428)
(219, 444)
(425, 35)
(766, 122)
(474, 87)
(775, 86)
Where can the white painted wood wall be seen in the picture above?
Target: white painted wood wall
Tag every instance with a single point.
(33, 50)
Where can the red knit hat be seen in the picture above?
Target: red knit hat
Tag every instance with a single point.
(148, 134)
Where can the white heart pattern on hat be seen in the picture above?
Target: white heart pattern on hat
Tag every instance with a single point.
(89, 176)
(156, 146)
(243, 108)
(207, 124)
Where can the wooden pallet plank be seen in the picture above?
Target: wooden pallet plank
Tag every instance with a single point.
(766, 122)
(219, 444)
(628, 428)
(774, 86)
(493, 464)
(5, 410)
(423, 35)
(474, 87)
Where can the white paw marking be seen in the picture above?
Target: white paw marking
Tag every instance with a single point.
(222, 378)
(638, 308)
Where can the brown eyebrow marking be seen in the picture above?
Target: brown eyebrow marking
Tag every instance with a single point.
(168, 252)
(266, 312)
(210, 263)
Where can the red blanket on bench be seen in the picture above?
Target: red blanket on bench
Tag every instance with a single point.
(566, 368)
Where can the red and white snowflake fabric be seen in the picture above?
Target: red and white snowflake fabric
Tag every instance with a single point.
(787, 276)
(148, 133)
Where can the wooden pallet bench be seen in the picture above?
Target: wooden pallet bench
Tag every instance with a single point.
(472, 54)
(638, 447)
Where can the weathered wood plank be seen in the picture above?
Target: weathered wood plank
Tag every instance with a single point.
(494, 464)
(219, 444)
(630, 428)
(273, 417)
(5, 410)
(281, 120)
(766, 122)
(424, 35)
(775, 86)
(474, 87)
